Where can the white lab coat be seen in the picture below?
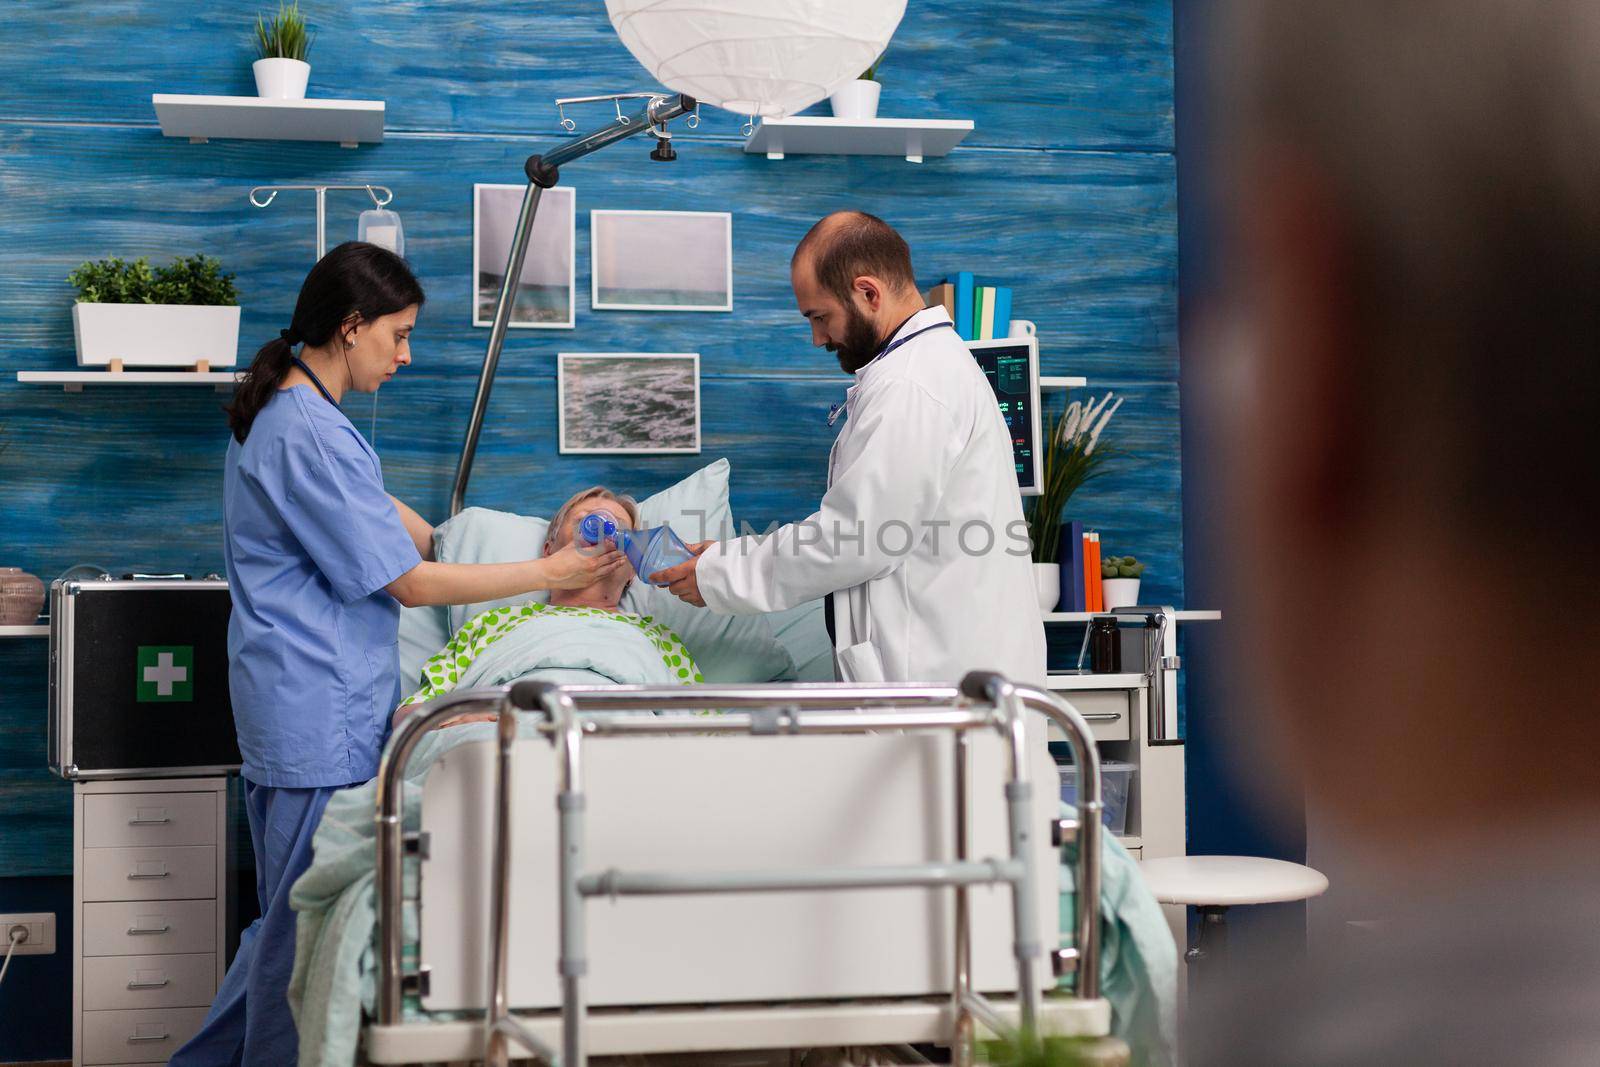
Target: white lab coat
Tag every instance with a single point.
(939, 580)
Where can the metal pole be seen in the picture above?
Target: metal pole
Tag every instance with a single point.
(496, 1053)
(542, 174)
(573, 963)
(497, 340)
(322, 221)
(961, 1049)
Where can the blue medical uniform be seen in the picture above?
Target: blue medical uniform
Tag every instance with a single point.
(313, 673)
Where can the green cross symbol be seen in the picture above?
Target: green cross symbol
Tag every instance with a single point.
(165, 673)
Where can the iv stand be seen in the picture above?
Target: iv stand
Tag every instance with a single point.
(272, 192)
(542, 174)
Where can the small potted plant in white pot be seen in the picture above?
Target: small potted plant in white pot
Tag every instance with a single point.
(1119, 581)
(859, 99)
(182, 315)
(1073, 455)
(282, 71)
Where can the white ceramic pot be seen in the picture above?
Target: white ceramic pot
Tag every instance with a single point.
(155, 335)
(1120, 592)
(1047, 585)
(857, 100)
(281, 79)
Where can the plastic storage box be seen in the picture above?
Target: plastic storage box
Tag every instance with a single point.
(1116, 778)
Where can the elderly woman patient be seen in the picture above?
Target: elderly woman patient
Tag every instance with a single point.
(580, 635)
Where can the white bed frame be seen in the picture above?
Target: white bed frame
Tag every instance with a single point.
(771, 877)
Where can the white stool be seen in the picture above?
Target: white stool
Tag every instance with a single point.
(1213, 884)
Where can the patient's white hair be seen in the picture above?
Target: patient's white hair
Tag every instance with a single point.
(558, 522)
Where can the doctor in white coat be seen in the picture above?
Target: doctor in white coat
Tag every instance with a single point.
(919, 543)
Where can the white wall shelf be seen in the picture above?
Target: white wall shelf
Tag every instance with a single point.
(252, 118)
(25, 631)
(73, 381)
(1047, 383)
(1085, 616)
(915, 139)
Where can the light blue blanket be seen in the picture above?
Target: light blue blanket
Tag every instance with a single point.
(1138, 959)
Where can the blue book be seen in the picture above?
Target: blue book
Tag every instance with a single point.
(1071, 557)
(1002, 311)
(964, 284)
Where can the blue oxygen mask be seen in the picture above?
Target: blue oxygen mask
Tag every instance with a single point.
(650, 550)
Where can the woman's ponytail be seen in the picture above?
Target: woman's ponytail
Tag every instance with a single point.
(354, 280)
(259, 382)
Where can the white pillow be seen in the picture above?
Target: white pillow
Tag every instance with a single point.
(726, 648)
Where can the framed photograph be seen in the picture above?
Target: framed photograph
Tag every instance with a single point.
(546, 292)
(661, 260)
(632, 402)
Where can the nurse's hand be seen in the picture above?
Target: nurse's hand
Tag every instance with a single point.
(571, 569)
(682, 581)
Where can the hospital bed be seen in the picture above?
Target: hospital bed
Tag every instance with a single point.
(812, 865)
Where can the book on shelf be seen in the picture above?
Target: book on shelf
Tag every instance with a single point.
(942, 295)
(1072, 572)
(1002, 311)
(964, 282)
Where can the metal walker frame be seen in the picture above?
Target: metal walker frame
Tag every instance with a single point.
(983, 700)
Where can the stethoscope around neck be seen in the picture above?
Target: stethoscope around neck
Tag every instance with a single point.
(835, 410)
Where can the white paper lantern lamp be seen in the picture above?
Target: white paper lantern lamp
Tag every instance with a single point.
(756, 57)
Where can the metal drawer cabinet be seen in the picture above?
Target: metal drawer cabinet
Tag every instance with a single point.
(150, 881)
(114, 820)
(184, 872)
(177, 981)
(147, 927)
(149, 1035)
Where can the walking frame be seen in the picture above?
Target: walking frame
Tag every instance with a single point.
(572, 714)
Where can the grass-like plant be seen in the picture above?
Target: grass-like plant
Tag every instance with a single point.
(285, 36)
(1073, 456)
(187, 280)
(871, 73)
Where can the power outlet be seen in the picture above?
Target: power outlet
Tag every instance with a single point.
(41, 927)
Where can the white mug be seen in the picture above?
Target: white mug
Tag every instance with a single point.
(1022, 328)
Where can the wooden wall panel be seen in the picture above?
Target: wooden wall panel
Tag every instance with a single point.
(1066, 192)
(1045, 73)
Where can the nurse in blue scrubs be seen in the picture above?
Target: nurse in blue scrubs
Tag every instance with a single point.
(320, 559)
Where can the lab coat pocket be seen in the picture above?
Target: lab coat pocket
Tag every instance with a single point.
(860, 663)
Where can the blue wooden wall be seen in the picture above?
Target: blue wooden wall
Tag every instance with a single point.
(1065, 191)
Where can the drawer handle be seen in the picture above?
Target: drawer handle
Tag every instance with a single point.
(1102, 716)
(150, 822)
(133, 1038)
(137, 875)
(136, 930)
(150, 985)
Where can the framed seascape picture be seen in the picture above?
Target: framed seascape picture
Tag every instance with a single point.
(633, 402)
(661, 260)
(545, 297)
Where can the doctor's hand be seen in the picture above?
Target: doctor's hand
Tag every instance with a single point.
(681, 581)
(571, 569)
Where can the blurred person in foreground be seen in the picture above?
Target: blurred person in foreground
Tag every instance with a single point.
(1412, 367)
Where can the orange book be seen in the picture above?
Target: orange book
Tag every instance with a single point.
(1094, 573)
(1090, 568)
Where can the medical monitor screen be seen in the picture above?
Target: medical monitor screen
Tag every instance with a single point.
(1012, 367)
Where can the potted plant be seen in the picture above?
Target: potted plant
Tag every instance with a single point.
(282, 71)
(859, 99)
(182, 315)
(1073, 455)
(1119, 581)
